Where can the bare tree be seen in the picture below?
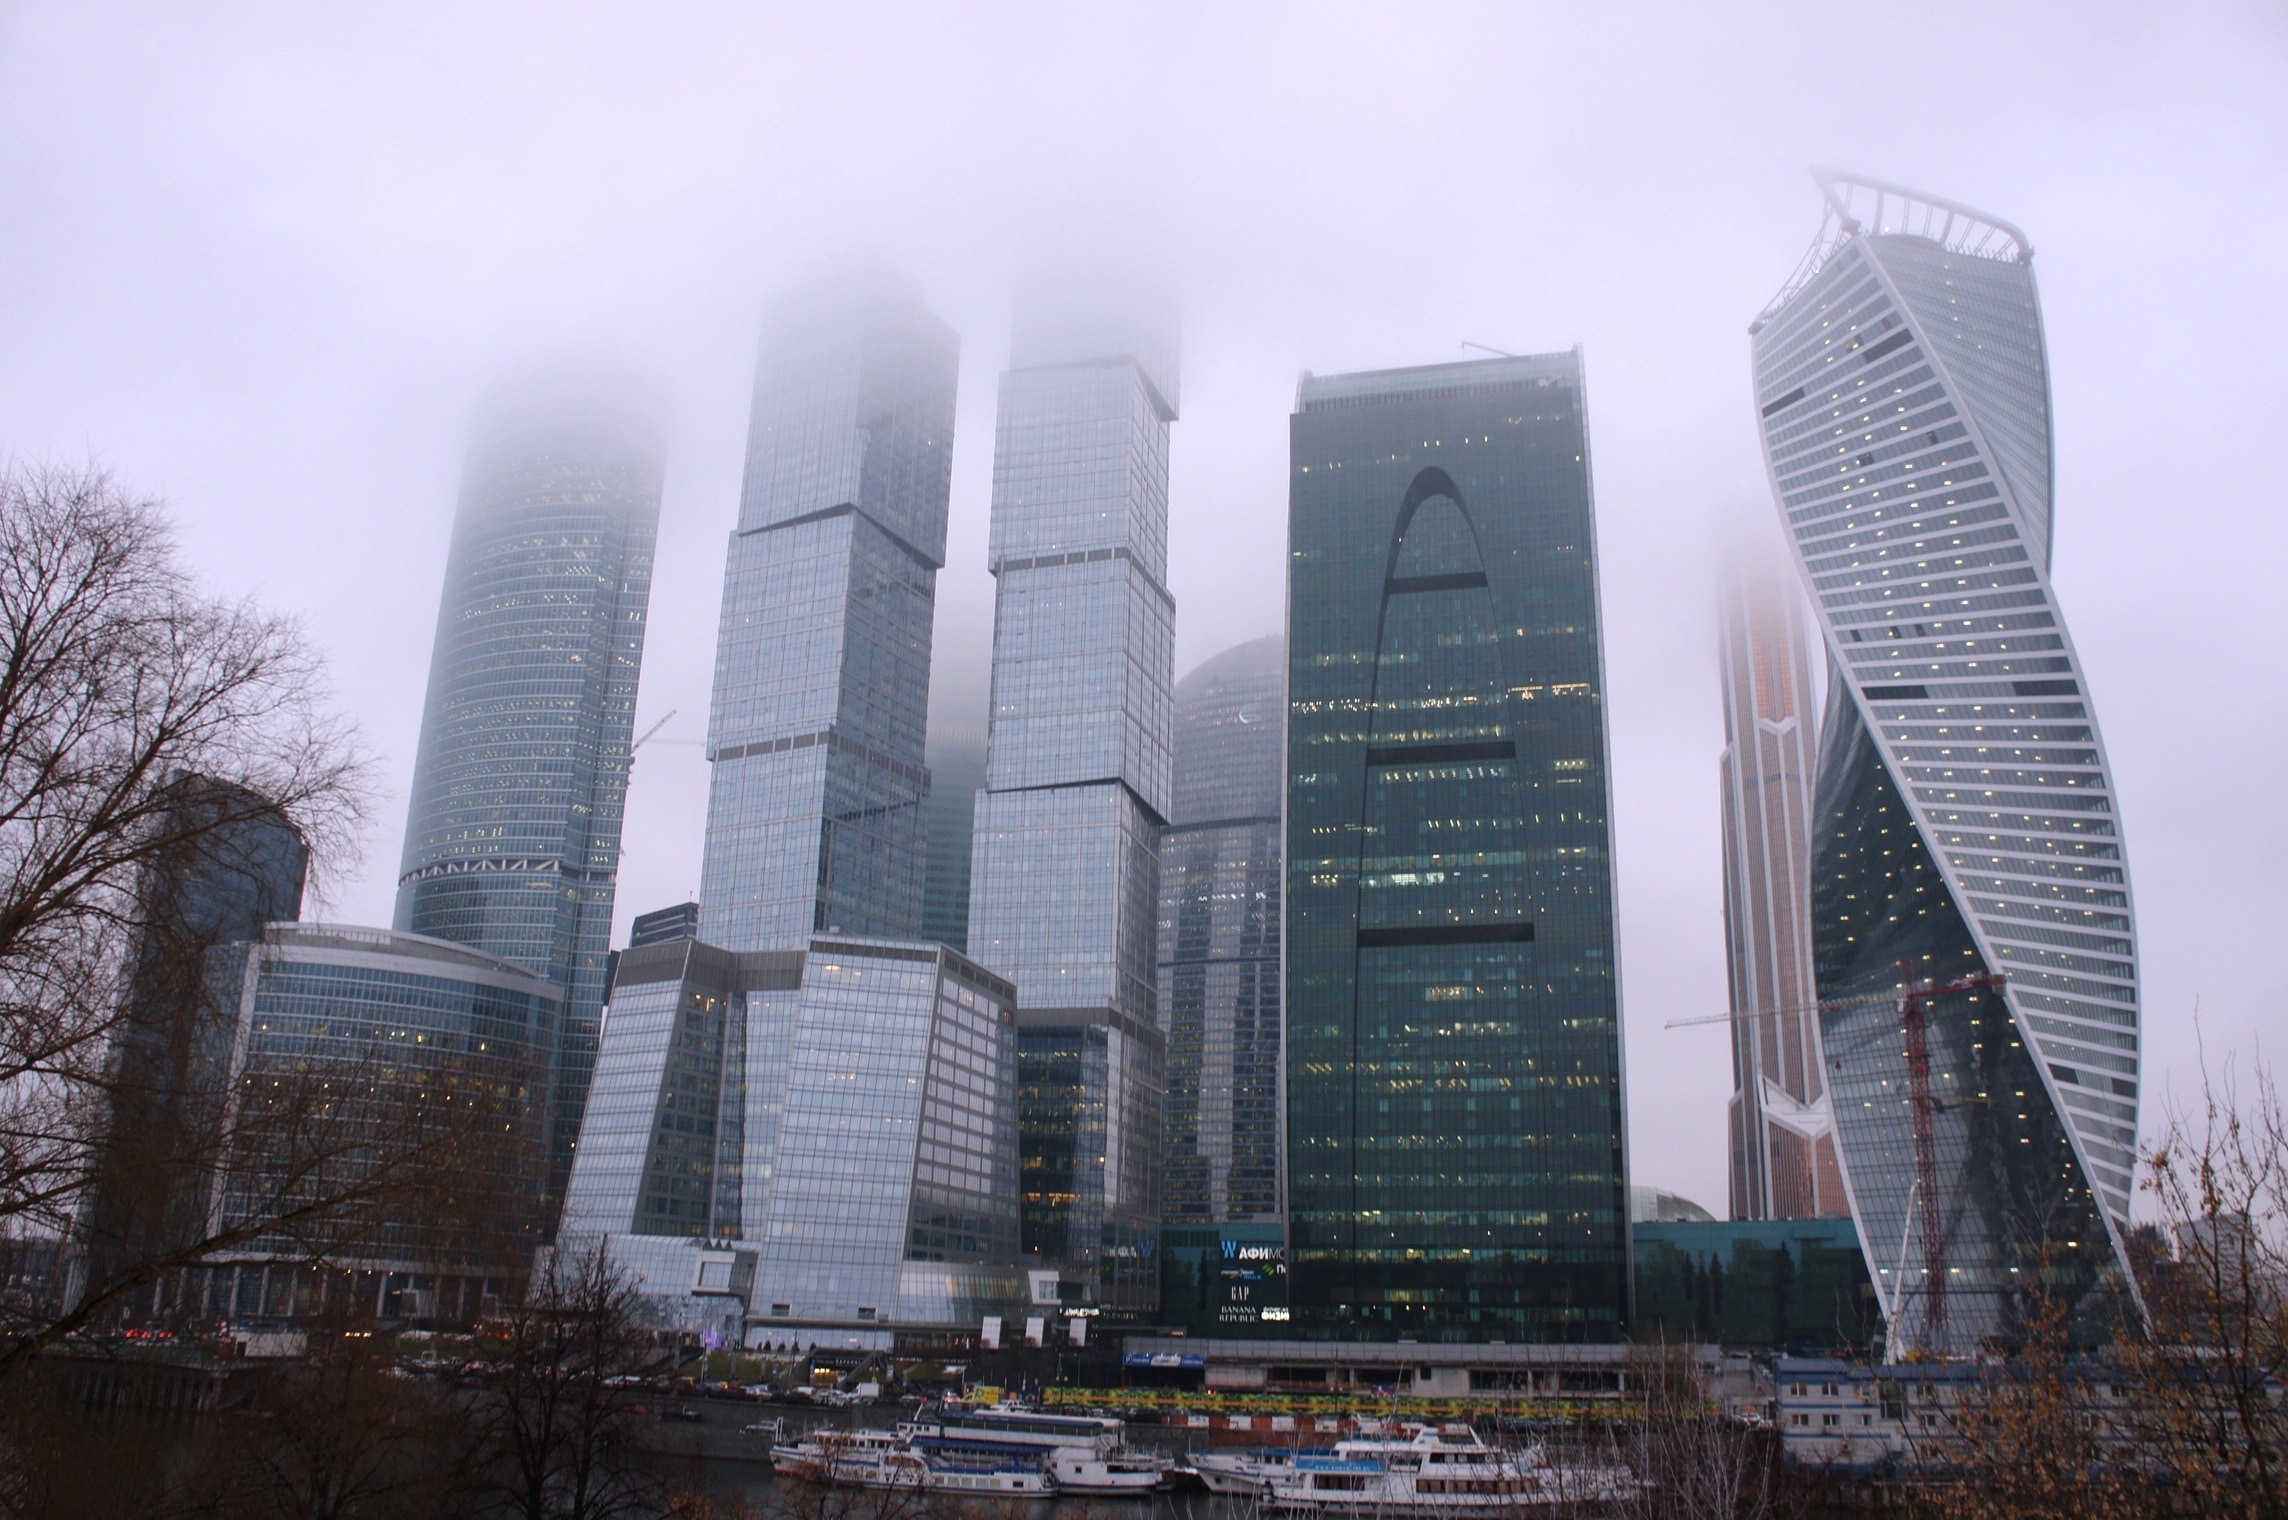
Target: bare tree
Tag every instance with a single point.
(2038, 1436)
(118, 679)
(336, 1435)
(556, 1440)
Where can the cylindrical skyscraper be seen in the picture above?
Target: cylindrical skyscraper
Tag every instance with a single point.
(1966, 844)
(512, 843)
(1219, 939)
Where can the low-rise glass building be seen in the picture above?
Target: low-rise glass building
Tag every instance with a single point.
(349, 1040)
(790, 1147)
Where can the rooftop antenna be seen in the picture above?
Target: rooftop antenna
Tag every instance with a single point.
(1497, 353)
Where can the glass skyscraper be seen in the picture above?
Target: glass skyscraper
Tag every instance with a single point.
(802, 1126)
(1965, 832)
(1065, 885)
(1456, 1160)
(957, 774)
(234, 866)
(512, 842)
(816, 800)
(1219, 940)
(1782, 1130)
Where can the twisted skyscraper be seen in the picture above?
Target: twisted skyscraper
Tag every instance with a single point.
(1966, 842)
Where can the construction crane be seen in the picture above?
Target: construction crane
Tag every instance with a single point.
(1922, 1106)
(647, 733)
(1925, 1109)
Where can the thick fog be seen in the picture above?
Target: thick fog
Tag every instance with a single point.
(263, 261)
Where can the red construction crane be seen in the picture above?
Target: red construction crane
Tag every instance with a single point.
(1925, 1109)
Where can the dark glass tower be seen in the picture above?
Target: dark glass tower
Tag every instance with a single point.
(512, 843)
(1964, 829)
(1456, 1165)
(1219, 939)
(957, 774)
(229, 865)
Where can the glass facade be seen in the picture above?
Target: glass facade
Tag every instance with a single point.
(1065, 885)
(1456, 1163)
(957, 774)
(840, 1120)
(1781, 1126)
(237, 865)
(408, 1023)
(512, 842)
(1767, 1285)
(818, 786)
(816, 1121)
(1964, 826)
(1220, 869)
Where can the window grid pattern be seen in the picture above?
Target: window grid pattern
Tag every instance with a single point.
(815, 817)
(1220, 875)
(1455, 1139)
(512, 843)
(898, 1138)
(1064, 887)
(1905, 414)
(401, 1028)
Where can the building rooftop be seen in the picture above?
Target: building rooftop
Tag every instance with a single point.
(308, 941)
(1313, 392)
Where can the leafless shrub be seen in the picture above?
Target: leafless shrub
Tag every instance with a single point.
(1678, 1453)
(2204, 1392)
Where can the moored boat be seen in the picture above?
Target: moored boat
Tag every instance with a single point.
(1244, 1470)
(1431, 1471)
(1084, 1454)
(888, 1460)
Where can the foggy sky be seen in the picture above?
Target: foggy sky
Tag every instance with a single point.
(264, 261)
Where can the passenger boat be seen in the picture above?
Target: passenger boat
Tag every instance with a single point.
(1428, 1470)
(1085, 1454)
(1246, 1469)
(816, 1455)
(884, 1459)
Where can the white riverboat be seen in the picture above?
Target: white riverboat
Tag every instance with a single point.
(885, 1459)
(1246, 1470)
(817, 1454)
(1085, 1454)
(1430, 1471)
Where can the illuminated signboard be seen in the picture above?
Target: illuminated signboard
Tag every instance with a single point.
(1219, 1278)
